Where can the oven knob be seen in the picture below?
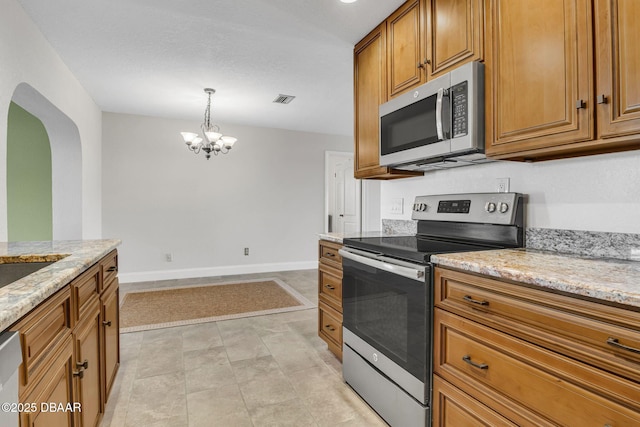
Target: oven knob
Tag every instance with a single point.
(375, 357)
(504, 207)
(420, 207)
(490, 207)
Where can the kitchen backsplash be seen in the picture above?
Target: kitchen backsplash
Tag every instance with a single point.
(583, 243)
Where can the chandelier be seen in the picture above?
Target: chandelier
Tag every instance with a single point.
(216, 143)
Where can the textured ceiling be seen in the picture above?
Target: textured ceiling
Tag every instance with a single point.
(154, 57)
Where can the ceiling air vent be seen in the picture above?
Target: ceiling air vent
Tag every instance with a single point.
(283, 99)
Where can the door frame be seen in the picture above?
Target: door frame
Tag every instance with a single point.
(328, 188)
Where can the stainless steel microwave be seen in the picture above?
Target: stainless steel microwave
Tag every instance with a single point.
(440, 124)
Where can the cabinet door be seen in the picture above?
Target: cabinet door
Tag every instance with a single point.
(55, 387)
(370, 90)
(539, 75)
(87, 366)
(618, 67)
(455, 34)
(405, 48)
(111, 336)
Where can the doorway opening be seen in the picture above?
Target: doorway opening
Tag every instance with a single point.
(66, 163)
(343, 203)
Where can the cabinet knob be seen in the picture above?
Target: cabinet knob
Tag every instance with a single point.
(602, 99)
(331, 288)
(112, 268)
(79, 374)
(420, 65)
(329, 327)
(580, 104)
(107, 323)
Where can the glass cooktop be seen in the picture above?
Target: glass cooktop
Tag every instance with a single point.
(411, 248)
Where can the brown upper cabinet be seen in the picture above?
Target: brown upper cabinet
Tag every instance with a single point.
(618, 68)
(427, 38)
(370, 90)
(543, 99)
(406, 46)
(419, 41)
(455, 31)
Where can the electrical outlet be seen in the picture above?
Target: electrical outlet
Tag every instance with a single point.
(502, 185)
(246, 251)
(397, 206)
(169, 257)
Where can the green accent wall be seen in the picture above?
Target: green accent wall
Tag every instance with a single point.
(29, 194)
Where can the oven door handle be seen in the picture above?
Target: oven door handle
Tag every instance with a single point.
(408, 272)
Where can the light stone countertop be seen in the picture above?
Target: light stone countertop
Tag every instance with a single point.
(21, 296)
(608, 279)
(338, 237)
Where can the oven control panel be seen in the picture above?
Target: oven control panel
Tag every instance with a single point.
(486, 208)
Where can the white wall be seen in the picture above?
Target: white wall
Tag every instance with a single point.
(267, 194)
(27, 57)
(596, 193)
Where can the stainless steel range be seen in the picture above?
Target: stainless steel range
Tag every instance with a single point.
(388, 297)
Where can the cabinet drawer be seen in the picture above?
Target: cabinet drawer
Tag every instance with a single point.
(84, 290)
(40, 332)
(454, 408)
(329, 323)
(593, 333)
(109, 266)
(329, 253)
(330, 285)
(501, 370)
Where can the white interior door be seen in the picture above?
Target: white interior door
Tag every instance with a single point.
(343, 200)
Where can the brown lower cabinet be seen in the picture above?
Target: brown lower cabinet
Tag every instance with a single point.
(506, 354)
(330, 296)
(70, 348)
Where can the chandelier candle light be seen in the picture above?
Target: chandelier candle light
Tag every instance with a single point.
(216, 142)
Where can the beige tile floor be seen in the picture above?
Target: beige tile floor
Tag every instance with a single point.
(268, 370)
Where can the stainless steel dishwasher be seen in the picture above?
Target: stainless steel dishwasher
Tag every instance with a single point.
(10, 359)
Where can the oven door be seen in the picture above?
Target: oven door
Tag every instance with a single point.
(387, 317)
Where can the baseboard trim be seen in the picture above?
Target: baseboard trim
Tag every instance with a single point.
(190, 273)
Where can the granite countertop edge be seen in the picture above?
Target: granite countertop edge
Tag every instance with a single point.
(611, 280)
(20, 297)
(339, 237)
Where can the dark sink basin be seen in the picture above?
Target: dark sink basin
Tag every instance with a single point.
(13, 271)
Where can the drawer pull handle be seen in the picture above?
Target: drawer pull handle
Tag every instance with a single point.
(329, 327)
(331, 288)
(84, 364)
(107, 323)
(467, 298)
(79, 374)
(467, 359)
(614, 342)
(329, 254)
(112, 268)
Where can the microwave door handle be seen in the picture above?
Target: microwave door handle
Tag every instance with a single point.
(439, 129)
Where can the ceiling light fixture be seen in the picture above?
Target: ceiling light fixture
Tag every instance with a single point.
(216, 142)
(348, 1)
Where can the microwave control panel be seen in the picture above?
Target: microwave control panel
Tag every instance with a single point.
(460, 109)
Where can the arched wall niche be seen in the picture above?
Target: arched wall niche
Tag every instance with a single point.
(66, 161)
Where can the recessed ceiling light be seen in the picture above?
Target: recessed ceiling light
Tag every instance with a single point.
(348, 1)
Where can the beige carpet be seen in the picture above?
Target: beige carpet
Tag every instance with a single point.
(186, 305)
